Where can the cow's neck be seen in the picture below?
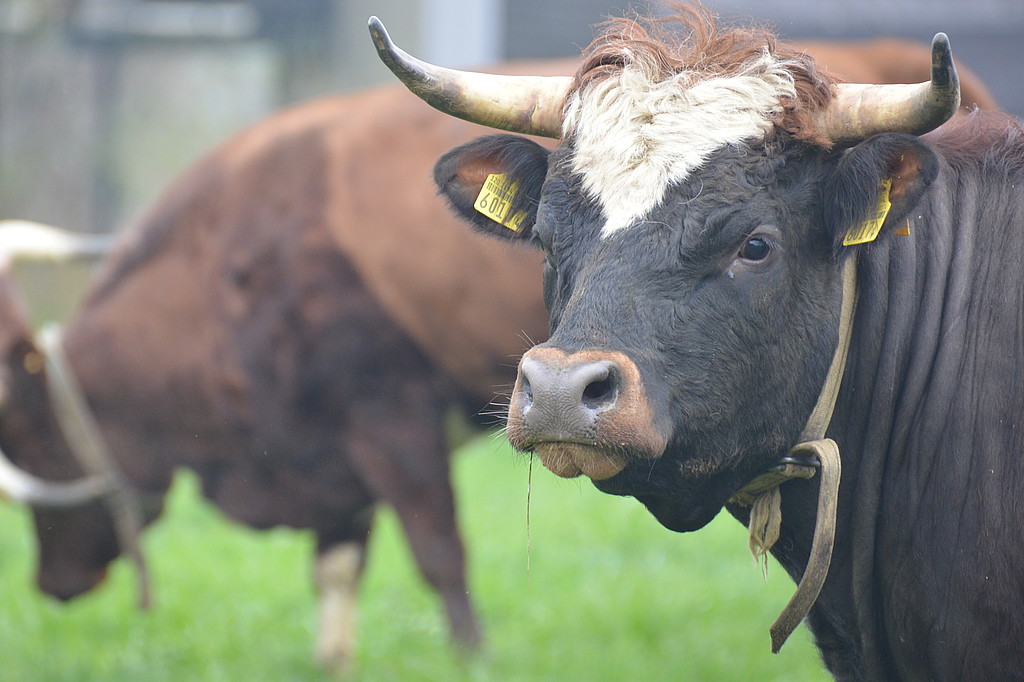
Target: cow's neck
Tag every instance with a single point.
(813, 451)
(902, 337)
(891, 381)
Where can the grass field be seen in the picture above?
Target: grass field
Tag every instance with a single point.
(609, 595)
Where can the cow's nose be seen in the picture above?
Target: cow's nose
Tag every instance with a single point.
(584, 411)
(561, 395)
(564, 387)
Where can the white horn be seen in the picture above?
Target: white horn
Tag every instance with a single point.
(27, 240)
(860, 111)
(519, 104)
(20, 486)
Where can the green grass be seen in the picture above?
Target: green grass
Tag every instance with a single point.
(609, 595)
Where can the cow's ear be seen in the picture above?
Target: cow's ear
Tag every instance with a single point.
(494, 182)
(874, 187)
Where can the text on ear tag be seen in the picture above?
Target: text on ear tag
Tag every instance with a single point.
(495, 201)
(872, 225)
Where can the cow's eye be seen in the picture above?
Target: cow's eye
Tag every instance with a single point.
(755, 249)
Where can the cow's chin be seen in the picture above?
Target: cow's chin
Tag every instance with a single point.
(681, 499)
(677, 517)
(570, 460)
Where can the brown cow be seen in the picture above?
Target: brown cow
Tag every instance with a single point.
(275, 326)
(291, 320)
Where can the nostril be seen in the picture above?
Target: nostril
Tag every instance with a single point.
(526, 388)
(524, 385)
(600, 392)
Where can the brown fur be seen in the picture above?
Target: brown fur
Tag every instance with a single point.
(292, 320)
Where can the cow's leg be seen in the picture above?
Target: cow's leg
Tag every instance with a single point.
(404, 460)
(435, 542)
(337, 572)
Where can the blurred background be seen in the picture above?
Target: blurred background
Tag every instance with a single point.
(102, 102)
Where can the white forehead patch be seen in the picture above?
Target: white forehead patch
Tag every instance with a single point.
(634, 135)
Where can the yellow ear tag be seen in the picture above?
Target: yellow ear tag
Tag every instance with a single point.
(495, 201)
(869, 229)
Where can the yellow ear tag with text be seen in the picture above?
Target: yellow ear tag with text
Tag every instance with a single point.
(495, 201)
(869, 229)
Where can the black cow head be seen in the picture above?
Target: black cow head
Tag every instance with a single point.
(689, 347)
(695, 222)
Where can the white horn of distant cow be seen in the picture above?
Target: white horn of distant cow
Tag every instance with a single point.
(17, 485)
(22, 487)
(28, 240)
(521, 104)
(860, 111)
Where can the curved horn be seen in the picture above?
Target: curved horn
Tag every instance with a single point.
(21, 486)
(520, 104)
(860, 111)
(24, 239)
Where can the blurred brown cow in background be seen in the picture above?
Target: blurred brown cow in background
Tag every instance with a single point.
(292, 320)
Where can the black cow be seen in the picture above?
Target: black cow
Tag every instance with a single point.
(697, 222)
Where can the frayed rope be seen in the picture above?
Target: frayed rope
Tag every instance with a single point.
(765, 522)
